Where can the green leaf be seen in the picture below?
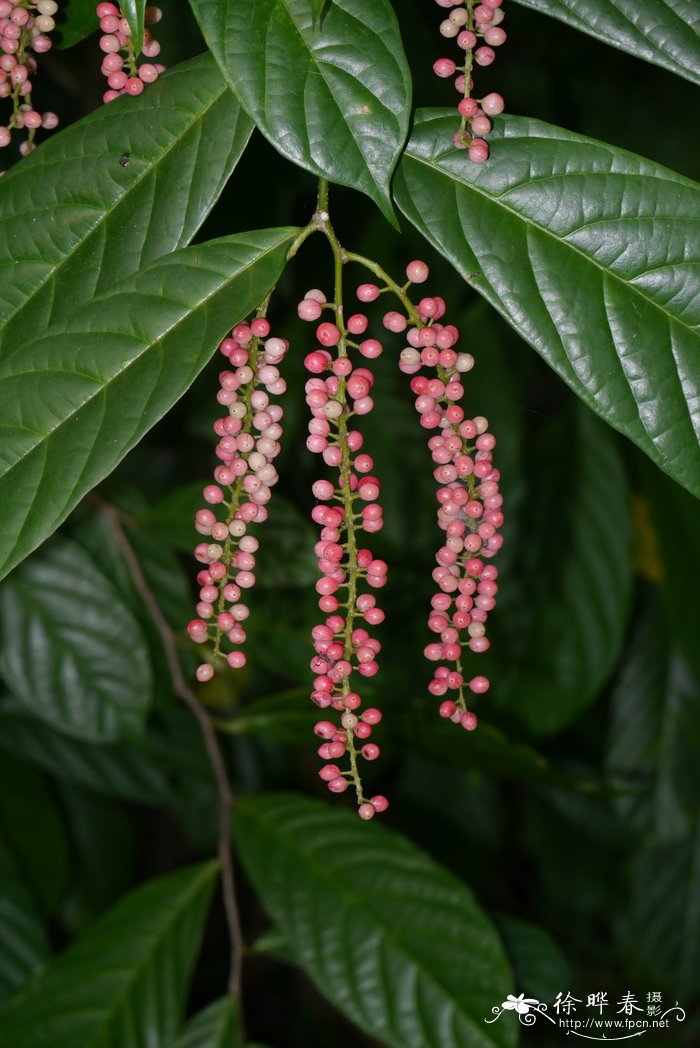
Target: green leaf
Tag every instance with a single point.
(123, 983)
(115, 771)
(72, 651)
(334, 98)
(318, 8)
(77, 20)
(286, 556)
(563, 606)
(653, 746)
(104, 835)
(24, 941)
(590, 253)
(392, 939)
(33, 829)
(129, 183)
(541, 969)
(665, 32)
(79, 397)
(487, 749)
(134, 13)
(663, 932)
(676, 517)
(284, 717)
(217, 1026)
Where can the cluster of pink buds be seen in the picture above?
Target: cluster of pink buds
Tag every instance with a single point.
(469, 502)
(24, 27)
(119, 65)
(476, 26)
(344, 508)
(248, 444)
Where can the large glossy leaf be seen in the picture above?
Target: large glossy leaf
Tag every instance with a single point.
(76, 399)
(663, 925)
(591, 253)
(24, 940)
(391, 938)
(119, 188)
(106, 849)
(540, 967)
(118, 770)
(123, 984)
(215, 1027)
(675, 517)
(334, 96)
(77, 20)
(665, 32)
(563, 606)
(33, 828)
(653, 746)
(72, 651)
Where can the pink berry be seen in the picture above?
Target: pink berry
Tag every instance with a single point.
(309, 309)
(444, 68)
(109, 44)
(148, 73)
(481, 125)
(366, 811)
(495, 36)
(479, 685)
(484, 56)
(357, 324)
(368, 292)
(328, 334)
(394, 321)
(417, 271)
(493, 104)
(236, 660)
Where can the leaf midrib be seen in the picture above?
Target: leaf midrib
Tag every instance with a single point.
(316, 64)
(147, 347)
(526, 220)
(358, 902)
(106, 214)
(118, 1004)
(664, 59)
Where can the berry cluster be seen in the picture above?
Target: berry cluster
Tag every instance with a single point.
(119, 65)
(469, 503)
(248, 443)
(470, 22)
(24, 27)
(345, 507)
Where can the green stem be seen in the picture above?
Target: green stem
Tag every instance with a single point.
(391, 285)
(339, 258)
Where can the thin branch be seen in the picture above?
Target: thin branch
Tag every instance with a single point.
(183, 691)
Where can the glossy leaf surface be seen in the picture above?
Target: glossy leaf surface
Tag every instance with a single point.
(123, 983)
(331, 94)
(104, 197)
(391, 938)
(591, 253)
(665, 32)
(72, 652)
(75, 400)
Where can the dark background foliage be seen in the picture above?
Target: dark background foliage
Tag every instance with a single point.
(571, 814)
